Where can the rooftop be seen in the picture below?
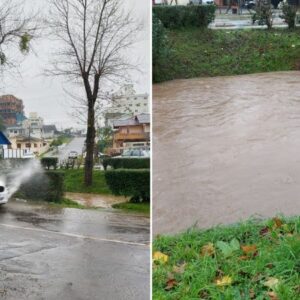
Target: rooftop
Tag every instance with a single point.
(136, 120)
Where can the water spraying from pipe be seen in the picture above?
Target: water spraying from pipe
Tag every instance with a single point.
(21, 175)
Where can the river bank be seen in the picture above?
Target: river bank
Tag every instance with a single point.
(195, 52)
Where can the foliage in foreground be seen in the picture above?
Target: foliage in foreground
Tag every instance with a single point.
(49, 162)
(198, 52)
(74, 182)
(185, 16)
(48, 186)
(130, 183)
(252, 260)
(127, 163)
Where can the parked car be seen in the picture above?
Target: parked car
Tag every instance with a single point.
(3, 193)
(135, 153)
(73, 154)
(249, 4)
(201, 2)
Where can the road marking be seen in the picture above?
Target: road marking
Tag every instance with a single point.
(74, 235)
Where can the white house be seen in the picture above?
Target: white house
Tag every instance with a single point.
(49, 131)
(34, 126)
(126, 103)
(126, 100)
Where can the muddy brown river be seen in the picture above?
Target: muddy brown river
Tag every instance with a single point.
(225, 149)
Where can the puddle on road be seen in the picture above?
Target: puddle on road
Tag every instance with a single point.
(92, 200)
(225, 148)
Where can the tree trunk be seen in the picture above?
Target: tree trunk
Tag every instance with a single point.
(90, 144)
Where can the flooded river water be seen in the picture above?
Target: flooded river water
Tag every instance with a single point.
(225, 149)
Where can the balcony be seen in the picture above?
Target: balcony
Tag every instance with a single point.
(131, 136)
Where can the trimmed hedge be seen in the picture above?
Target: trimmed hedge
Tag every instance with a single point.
(48, 186)
(127, 163)
(48, 162)
(185, 16)
(130, 183)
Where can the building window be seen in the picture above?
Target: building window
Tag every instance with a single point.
(19, 146)
(28, 145)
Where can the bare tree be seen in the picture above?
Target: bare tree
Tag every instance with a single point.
(95, 35)
(17, 29)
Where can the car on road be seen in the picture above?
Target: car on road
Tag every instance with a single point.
(73, 154)
(3, 193)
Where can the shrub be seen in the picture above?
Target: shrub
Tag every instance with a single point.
(48, 186)
(48, 162)
(289, 15)
(130, 183)
(127, 163)
(185, 16)
(161, 49)
(263, 14)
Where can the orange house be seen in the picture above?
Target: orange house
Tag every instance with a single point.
(132, 132)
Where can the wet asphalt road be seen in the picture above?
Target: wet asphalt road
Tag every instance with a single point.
(53, 253)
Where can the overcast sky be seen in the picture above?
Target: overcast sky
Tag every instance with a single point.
(45, 95)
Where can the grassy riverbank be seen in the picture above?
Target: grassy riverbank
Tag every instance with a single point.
(198, 52)
(252, 260)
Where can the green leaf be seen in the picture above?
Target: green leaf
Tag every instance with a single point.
(235, 244)
(228, 249)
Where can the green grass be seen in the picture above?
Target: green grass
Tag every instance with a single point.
(74, 182)
(143, 207)
(270, 272)
(197, 52)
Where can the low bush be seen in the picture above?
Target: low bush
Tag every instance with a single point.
(130, 183)
(127, 163)
(185, 16)
(289, 14)
(161, 49)
(48, 186)
(263, 14)
(74, 182)
(48, 162)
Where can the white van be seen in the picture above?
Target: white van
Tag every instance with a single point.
(3, 193)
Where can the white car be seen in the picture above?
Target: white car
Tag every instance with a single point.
(3, 193)
(73, 154)
(201, 2)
